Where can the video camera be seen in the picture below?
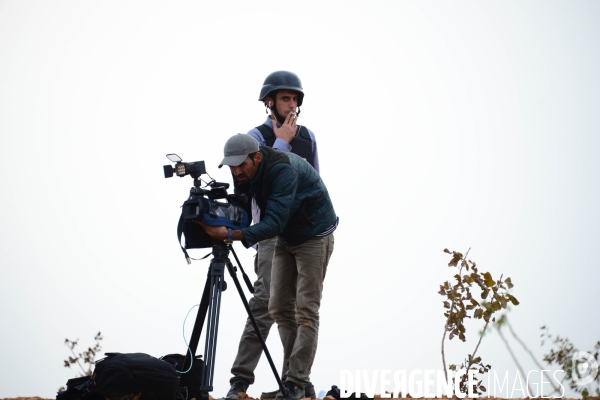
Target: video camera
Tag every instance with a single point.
(203, 205)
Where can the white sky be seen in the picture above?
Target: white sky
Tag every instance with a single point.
(439, 124)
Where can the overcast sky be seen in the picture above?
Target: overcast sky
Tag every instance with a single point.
(461, 124)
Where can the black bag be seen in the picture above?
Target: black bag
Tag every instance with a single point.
(76, 389)
(119, 376)
(335, 392)
(194, 379)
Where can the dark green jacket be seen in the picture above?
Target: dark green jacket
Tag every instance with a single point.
(294, 201)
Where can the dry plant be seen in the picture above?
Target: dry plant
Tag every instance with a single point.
(85, 360)
(564, 355)
(460, 304)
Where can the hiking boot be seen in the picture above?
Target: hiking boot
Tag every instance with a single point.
(237, 387)
(309, 391)
(294, 392)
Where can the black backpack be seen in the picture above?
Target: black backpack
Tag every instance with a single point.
(335, 393)
(192, 388)
(117, 376)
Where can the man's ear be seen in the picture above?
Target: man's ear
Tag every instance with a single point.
(268, 102)
(258, 157)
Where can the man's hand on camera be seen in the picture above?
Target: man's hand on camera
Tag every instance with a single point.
(220, 232)
(288, 129)
(217, 232)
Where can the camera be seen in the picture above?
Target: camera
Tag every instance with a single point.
(210, 204)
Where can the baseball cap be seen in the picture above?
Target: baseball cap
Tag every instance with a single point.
(237, 149)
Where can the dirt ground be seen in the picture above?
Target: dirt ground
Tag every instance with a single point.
(325, 398)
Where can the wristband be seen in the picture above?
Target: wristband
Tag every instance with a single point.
(229, 238)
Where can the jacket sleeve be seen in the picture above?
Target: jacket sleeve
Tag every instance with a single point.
(284, 182)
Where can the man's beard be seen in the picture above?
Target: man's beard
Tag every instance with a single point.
(279, 117)
(242, 186)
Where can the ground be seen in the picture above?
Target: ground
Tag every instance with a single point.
(326, 398)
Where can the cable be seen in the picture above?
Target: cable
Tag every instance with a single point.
(186, 343)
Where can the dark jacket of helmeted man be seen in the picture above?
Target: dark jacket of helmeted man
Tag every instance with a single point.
(293, 200)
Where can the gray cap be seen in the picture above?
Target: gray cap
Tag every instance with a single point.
(237, 149)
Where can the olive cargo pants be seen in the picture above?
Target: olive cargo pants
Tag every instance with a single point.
(296, 289)
(298, 279)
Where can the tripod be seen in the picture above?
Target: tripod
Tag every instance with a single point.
(210, 306)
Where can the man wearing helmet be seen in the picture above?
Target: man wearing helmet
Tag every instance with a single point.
(282, 95)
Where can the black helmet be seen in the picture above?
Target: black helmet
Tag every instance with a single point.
(280, 80)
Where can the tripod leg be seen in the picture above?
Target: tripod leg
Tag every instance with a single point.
(209, 311)
(255, 325)
(193, 344)
(212, 326)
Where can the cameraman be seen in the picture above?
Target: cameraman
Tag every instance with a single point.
(295, 208)
(282, 95)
